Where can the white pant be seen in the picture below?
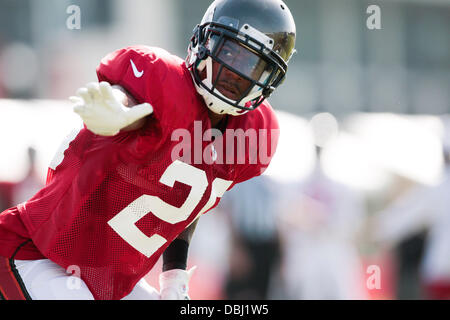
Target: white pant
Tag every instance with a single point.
(45, 280)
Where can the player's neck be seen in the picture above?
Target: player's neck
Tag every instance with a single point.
(216, 119)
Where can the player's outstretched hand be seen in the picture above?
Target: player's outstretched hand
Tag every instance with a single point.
(174, 284)
(101, 108)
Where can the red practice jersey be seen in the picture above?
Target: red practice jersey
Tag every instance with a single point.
(112, 205)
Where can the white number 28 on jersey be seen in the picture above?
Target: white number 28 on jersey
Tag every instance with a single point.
(124, 223)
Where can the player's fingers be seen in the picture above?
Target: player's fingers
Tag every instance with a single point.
(108, 96)
(79, 109)
(140, 111)
(76, 100)
(106, 90)
(79, 105)
(94, 90)
(84, 94)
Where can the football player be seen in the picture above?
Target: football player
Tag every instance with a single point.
(118, 196)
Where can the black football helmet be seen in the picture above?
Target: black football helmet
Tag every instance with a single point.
(239, 53)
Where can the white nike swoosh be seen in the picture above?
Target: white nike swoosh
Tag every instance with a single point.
(137, 73)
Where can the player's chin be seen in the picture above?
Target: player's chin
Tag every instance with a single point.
(232, 95)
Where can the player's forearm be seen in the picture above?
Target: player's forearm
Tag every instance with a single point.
(176, 254)
(174, 280)
(188, 232)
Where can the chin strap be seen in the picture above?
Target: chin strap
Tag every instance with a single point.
(174, 284)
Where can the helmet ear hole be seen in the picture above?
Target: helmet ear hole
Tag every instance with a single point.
(202, 53)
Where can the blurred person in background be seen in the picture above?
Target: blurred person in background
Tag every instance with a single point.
(12, 193)
(320, 221)
(6, 195)
(32, 183)
(422, 210)
(255, 247)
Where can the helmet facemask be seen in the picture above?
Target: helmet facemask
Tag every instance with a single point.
(234, 70)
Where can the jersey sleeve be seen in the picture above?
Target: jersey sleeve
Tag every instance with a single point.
(138, 69)
(261, 150)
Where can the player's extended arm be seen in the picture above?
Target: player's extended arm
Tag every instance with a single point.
(174, 280)
(106, 110)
